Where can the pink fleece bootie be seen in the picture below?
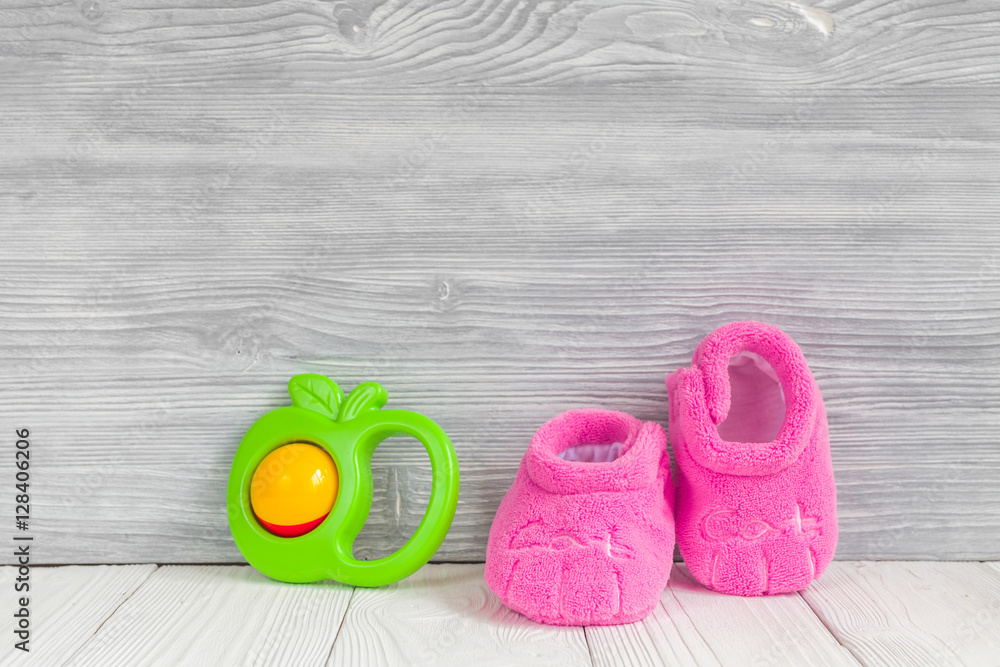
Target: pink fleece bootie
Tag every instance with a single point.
(756, 502)
(585, 534)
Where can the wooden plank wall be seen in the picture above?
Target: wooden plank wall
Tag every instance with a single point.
(499, 210)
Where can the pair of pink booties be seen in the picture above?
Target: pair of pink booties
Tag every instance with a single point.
(585, 535)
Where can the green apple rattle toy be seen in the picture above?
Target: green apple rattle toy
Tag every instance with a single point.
(300, 488)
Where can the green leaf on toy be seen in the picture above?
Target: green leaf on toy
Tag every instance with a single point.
(317, 393)
(366, 396)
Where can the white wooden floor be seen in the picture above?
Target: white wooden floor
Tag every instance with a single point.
(868, 613)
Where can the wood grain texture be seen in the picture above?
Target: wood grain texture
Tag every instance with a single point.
(667, 636)
(392, 43)
(66, 606)
(201, 201)
(885, 612)
(917, 613)
(446, 615)
(219, 615)
(140, 345)
(773, 630)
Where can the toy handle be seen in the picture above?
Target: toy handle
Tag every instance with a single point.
(440, 509)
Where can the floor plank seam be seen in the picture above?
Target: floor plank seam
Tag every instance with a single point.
(857, 658)
(992, 569)
(336, 636)
(704, 639)
(128, 597)
(590, 651)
